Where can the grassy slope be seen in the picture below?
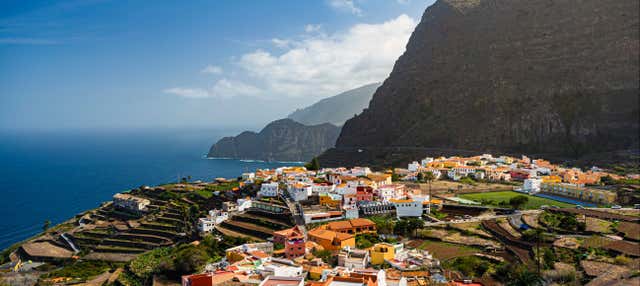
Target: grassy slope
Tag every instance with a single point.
(533, 203)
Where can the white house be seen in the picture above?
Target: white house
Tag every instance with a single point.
(360, 171)
(299, 191)
(350, 211)
(353, 258)
(215, 217)
(279, 267)
(269, 190)
(322, 188)
(248, 176)
(413, 166)
(243, 204)
(129, 202)
(389, 192)
(426, 161)
(205, 224)
(282, 280)
(531, 185)
(411, 207)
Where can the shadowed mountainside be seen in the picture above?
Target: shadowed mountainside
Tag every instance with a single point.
(280, 140)
(550, 78)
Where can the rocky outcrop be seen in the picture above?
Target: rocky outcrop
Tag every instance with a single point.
(336, 109)
(280, 140)
(554, 78)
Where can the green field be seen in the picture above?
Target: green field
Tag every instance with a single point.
(494, 199)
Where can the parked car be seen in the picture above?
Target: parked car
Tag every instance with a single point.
(616, 207)
(579, 207)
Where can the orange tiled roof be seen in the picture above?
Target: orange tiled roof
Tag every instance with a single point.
(338, 225)
(361, 222)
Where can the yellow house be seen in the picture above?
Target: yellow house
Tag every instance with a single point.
(330, 200)
(579, 192)
(315, 272)
(551, 179)
(381, 252)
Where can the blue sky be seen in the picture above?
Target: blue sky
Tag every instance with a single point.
(131, 64)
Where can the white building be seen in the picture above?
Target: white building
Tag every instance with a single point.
(353, 258)
(280, 280)
(205, 224)
(243, 204)
(350, 212)
(360, 171)
(531, 185)
(389, 192)
(269, 190)
(413, 166)
(216, 217)
(280, 267)
(323, 188)
(413, 207)
(129, 202)
(426, 161)
(299, 191)
(248, 176)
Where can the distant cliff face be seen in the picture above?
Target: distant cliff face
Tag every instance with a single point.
(280, 140)
(336, 109)
(556, 78)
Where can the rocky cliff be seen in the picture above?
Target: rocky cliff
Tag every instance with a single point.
(557, 78)
(280, 140)
(336, 109)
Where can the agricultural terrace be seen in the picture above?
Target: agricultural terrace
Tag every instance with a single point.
(501, 199)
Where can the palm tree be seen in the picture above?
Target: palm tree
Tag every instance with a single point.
(429, 177)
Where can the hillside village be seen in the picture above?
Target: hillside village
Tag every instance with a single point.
(440, 221)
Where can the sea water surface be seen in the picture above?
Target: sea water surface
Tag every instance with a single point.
(56, 175)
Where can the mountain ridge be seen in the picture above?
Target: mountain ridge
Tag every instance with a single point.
(534, 77)
(336, 109)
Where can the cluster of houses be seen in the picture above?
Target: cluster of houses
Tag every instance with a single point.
(537, 175)
(341, 191)
(289, 258)
(338, 200)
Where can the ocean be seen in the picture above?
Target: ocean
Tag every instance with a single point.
(56, 175)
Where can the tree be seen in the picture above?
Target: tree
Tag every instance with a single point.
(401, 227)
(147, 264)
(429, 177)
(414, 224)
(518, 201)
(525, 277)
(190, 259)
(394, 177)
(46, 225)
(313, 165)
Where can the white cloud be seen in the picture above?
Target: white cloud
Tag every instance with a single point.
(223, 88)
(346, 5)
(188, 92)
(310, 28)
(280, 43)
(212, 69)
(231, 88)
(403, 1)
(324, 65)
(314, 65)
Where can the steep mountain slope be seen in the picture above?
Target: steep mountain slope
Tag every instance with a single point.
(336, 109)
(556, 78)
(280, 140)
